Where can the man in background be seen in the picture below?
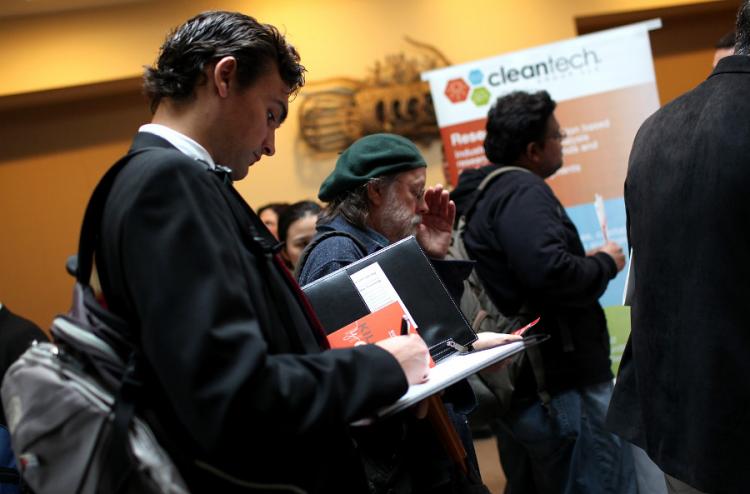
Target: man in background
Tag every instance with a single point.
(724, 47)
(682, 392)
(236, 386)
(376, 196)
(531, 261)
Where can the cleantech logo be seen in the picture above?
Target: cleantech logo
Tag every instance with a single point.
(553, 66)
(458, 90)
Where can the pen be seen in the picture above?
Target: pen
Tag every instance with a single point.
(404, 326)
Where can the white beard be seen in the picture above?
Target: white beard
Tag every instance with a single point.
(397, 221)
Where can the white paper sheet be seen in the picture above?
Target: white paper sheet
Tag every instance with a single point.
(601, 215)
(450, 371)
(376, 289)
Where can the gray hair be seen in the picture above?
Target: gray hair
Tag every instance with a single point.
(354, 205)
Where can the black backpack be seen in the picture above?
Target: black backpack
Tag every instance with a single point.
(493, 388)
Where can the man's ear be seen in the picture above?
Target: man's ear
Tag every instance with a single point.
(224, 74)
(533, 152)
(375, 193)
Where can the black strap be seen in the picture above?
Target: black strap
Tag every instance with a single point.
(320, 238)
(533, 353)
(92, 219)
(117, 464)
(483, 186)
(261, 247)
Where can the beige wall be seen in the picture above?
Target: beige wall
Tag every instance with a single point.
(53, 153)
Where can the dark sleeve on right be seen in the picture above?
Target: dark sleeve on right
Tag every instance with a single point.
(530, 229)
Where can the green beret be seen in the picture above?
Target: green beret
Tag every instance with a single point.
(369, 157)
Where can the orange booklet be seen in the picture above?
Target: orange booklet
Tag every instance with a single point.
(379, 325)
(384, 323)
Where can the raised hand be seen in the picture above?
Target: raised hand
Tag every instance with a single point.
(434, 233)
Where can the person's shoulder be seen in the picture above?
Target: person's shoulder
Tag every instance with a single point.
(517, 182)
(160, 169)
(158, 161)
(335, 243)
(526, 177)
(334, 251)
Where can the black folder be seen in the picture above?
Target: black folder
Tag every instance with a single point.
(441, 324)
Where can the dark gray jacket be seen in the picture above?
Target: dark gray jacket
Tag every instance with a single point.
(682, 391)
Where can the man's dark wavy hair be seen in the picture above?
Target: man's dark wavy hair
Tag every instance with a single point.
(514, 121)
(742, 38)
(726, 41)
(211, 36)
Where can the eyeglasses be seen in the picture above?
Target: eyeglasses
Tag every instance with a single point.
(559, 135)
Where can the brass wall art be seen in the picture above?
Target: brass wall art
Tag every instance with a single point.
(391, 98)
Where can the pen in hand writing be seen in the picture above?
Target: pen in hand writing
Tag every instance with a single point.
(404, 326)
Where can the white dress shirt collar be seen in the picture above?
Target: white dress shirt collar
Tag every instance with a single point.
(183, 143)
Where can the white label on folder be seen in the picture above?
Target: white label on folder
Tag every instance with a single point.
(376, 289)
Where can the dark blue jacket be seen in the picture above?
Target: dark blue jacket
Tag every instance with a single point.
(528, 252)
(426, 462)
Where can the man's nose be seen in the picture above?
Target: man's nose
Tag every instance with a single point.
(269, 144)
(422, 207)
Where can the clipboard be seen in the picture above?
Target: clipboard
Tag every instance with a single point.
(455, 368)
(400, 272)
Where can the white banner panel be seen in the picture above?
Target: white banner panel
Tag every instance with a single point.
(605, 88)
(589, 64)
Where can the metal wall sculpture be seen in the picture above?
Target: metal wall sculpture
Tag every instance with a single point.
(392, 98)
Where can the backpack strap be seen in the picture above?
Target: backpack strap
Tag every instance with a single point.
(320, 238)
(92, 219)
(533, 353)
(480, 192)
(116, 454)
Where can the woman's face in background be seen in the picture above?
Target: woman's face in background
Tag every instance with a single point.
(298, 235)
(271, 220)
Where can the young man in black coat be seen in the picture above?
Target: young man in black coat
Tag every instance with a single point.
(682, 391)
(531, 261)
(237, 386)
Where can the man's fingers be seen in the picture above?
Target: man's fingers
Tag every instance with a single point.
(490, 339)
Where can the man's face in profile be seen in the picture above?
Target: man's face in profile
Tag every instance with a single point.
(551, 155)
(252, 115)
(404, 204)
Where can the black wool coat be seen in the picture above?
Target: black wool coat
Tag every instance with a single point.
(234, 375)
(682, 392)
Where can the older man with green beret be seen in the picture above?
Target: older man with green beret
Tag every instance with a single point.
(376, 195)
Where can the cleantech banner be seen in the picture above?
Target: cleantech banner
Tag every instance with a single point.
(605, 88)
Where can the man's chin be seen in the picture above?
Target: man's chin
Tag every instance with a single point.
(238, 173)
